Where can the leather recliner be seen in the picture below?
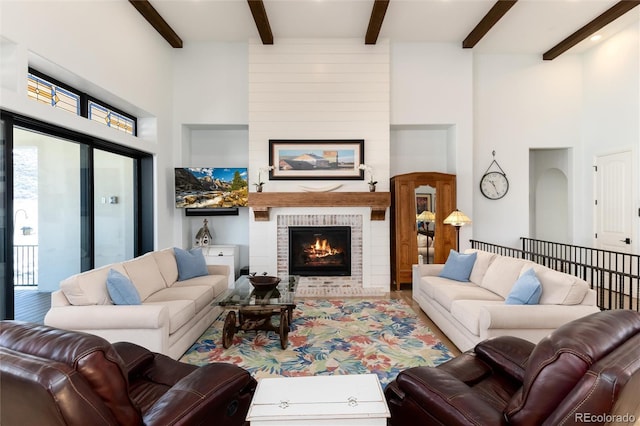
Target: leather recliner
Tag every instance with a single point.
(50, 376)
(585, 372)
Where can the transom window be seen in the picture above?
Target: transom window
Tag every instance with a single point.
(48, 93)
(46, 90)
(111, 118)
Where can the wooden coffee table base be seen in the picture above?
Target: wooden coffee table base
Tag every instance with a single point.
(257, 318)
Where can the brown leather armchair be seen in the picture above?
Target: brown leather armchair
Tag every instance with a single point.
(587, 371)
(50, 376)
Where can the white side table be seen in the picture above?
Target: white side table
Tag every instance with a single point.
(355, 400)
(223, 255)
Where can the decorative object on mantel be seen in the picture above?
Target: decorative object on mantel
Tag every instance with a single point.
(203, 237)
(260, 183)
(369, 170)
(323, 189)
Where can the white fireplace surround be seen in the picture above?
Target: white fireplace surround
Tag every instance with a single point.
(351, 220)
(370, 261)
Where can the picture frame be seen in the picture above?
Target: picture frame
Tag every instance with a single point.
(313, 159)
(424, 202)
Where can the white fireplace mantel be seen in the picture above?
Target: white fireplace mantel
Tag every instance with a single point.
(261, 202)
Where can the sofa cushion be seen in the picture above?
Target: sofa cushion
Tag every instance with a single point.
(200, 295)
(559, 288)
(89, 288)
(144, 273)
(218, 283)
(446, 293)
(483, 260)
(121, 289)
(191, 263)
(458, 266)
(428, 282)
(526, 290)
(180, 312)
(502, 274)
(166, 261)
(467, 313)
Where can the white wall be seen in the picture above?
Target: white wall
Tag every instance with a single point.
(431, 86)
(521, 103)
(611, 120)
(129, 69)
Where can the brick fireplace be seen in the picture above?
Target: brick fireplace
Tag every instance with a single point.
(353, 222)
(272, 213)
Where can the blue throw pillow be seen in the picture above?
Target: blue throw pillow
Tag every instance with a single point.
(458, 266)
(526, 291)
(191, 263)
(121, 289)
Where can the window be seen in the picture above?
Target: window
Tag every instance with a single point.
(111, 118)
(49, 93)
(46, 90)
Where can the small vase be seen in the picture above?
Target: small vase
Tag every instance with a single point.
(259, 188)
(372, 187)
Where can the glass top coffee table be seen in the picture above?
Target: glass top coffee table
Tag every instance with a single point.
(255, 308)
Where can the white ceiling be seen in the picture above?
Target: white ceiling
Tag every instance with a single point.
(530, 27)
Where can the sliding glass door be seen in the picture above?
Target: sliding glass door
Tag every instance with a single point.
(113, 206)
(69, 204)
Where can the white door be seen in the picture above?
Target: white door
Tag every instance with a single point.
(613, 215)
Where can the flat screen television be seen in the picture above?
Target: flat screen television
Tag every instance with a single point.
(210, 188)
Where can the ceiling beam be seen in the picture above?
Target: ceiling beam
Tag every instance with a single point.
(262, 20)
(490, 19)
(613, 13)
(375, 22)
(156, 21)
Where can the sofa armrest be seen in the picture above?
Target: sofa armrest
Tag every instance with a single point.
(506, 353)
(96, 317)
(431, 269)
(441, 396)
(502, 316)
(219, 270)
(213, 391)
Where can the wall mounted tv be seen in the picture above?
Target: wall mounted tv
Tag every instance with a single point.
(201, 190)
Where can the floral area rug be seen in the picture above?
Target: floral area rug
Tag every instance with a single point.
(351, 336)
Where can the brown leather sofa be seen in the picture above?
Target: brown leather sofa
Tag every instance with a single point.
(585, 372)
(50, 376)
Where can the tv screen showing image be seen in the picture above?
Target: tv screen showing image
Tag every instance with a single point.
(209, 187)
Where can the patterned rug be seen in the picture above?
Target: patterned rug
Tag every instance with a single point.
(330, 337)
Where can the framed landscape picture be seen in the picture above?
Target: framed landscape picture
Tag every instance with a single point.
(316, 159)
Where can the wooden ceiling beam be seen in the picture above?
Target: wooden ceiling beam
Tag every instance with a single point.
(153, 17)
(610, 15)
(375, 21)
(499, 9)
(262, 20)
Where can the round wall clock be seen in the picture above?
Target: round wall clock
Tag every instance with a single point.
(494, 185)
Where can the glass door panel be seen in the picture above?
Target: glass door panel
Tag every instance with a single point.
(48, 217)
(114, 207)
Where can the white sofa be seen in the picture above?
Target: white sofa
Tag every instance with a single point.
(172, 315)
(469, 312)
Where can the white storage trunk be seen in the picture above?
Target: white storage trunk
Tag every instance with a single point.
(347, 400)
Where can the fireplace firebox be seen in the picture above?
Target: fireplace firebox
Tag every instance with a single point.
(320, 250)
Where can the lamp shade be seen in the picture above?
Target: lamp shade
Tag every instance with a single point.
(426, 216)
(457, 218)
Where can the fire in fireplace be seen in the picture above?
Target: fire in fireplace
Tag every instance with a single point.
(320, 250)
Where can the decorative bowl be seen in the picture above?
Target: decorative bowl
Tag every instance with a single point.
(264, 282)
